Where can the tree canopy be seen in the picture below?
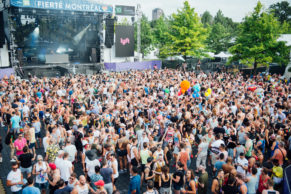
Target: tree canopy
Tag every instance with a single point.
(186, 35)
(256, 43)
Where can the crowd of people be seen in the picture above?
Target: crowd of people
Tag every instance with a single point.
(232, 136)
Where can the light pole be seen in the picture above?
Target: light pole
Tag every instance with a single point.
(138, 13)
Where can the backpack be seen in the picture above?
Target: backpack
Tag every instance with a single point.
(47, 119)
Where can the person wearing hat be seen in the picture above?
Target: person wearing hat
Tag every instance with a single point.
(91, 161)
(202, 180)
(40, 170)
(56, 176)
(100, 186)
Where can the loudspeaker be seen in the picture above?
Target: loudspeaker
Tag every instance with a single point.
(93, 55)
(109, 32)
(2, 33)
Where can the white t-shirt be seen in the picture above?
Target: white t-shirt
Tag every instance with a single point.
(244, 162)
(15, 177)
(65, 169)
(204, 148)
(90, 165)
(71, 150)
(58, 162)
(115, 163)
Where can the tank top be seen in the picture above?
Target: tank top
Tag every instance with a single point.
(239, 150)
(158, 169)
(188, 186)
(40, 178)
(176, 139)
(72, 185)
(251, 185)
(262, 145)
(183, 159)
(131, 152)
(276, 147)
(150, 173)
(166, 184)
(116, 164)
(169, 136)
(144, 154)
(84, 190)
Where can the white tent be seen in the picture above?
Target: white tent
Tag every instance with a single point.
(223, 55)
(179, 58)
(285, 38)
(210, 54)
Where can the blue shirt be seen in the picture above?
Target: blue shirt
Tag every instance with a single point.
(134, 184)
(218, 165)
(15, 120)
(31, 190)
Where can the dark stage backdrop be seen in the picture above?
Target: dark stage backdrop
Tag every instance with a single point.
(124, 42)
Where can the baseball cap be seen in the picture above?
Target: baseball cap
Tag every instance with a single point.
(99, 183)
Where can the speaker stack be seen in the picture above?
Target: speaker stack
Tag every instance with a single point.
(2, 34)
(109, 32)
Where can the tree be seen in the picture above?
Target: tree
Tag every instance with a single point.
(281, 10)
(219, 38)
(222, 32)
(257, 43)
(146, 36)
(186, 34)
(160, 28)
(207, 19)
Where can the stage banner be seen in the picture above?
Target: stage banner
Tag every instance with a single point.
(68, 5)
(124, 41)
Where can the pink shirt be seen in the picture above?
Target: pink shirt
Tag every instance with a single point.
(19, 144)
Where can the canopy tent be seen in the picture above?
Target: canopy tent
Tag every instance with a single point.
(223, 55)
(178, 57)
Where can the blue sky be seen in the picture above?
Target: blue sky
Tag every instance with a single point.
(235, 9)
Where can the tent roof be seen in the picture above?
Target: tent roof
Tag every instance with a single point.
(286, 38)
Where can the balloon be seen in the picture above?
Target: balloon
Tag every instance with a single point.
(206, 94)
(209, 90)
(167, 90)
(185, 85)
(197, 95)
(197, 88)
(183, 91)
(194, 95)
(70, 92)
(189, 90)
(179, 93)
(146, 90)
(252, 88)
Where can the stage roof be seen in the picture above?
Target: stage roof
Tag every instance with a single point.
(67, 5)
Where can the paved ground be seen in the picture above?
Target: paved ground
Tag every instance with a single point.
(122, 183)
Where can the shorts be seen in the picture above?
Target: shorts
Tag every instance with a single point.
(42, 186)
(121, 153)
(31, 145)
(134, 162)
(27, 170)
(177, 187)
(37, 135)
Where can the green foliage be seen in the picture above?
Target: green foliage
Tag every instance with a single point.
(222, 32)
(147, 39)
(207, 19)
(257, 43)
(160, 28)
(282, 11)
(186, 34)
